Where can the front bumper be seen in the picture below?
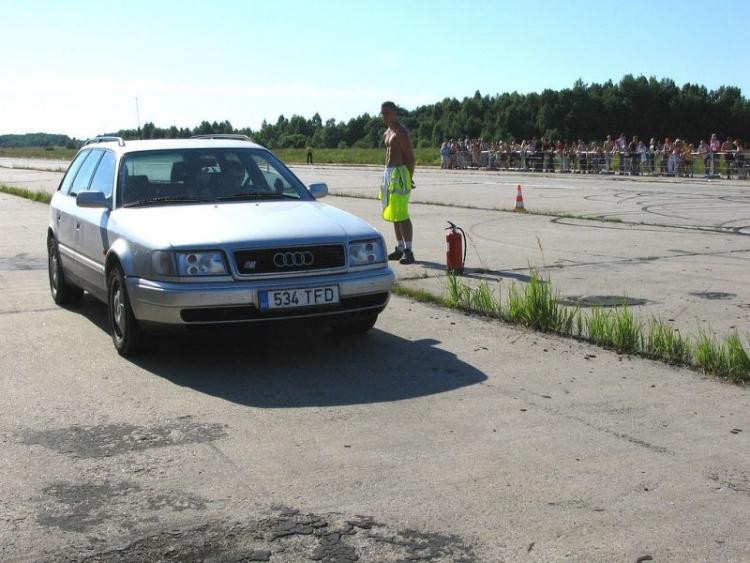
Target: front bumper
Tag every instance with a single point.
(185, 304)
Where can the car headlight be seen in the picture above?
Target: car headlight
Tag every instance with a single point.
(204, 263)
(366, 252)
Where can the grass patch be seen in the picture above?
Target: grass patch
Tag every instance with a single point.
(727, 358)
(666, 344)
(538, 306)
(421, 295)
(615, 328)
(56, 153)
(423, 156)
(41, 197)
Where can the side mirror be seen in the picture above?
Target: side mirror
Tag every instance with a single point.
(319, 190)
(92, 199)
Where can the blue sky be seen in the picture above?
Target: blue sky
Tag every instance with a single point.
(76, 67)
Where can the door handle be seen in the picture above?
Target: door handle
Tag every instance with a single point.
(78, 226)
(59, 217)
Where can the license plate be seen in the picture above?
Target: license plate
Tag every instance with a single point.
(291, 298)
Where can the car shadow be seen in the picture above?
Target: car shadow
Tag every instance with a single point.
(284, 368)
(480, 273)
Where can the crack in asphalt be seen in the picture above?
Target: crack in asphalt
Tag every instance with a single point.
(290, 536)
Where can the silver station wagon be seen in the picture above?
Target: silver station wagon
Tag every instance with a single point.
(208, 230)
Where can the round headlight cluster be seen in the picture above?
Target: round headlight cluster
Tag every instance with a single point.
(209, 263)
(366, 252)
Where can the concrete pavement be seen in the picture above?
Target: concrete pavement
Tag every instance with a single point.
(437, 437)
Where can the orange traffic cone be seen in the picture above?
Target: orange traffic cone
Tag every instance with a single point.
(519, 200)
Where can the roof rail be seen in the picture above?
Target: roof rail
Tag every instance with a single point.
(105, 139)
(228, 136)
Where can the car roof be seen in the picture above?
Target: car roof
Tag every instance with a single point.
(166, 144)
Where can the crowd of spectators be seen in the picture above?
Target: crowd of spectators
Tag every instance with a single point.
(633, 156)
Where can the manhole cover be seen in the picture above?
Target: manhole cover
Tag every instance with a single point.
(602, 301)
(713, 295)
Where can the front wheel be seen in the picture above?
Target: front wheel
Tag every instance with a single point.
(127, 334)
(62, 292)
(359, 326)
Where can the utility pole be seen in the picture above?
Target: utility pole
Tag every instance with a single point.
(138, 117)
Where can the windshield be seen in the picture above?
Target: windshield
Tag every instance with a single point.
(168, 177)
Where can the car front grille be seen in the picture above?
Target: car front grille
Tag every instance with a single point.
(290, 259)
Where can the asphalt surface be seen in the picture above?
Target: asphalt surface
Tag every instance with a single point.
(437, 437)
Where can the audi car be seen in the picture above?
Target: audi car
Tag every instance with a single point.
(211, 230)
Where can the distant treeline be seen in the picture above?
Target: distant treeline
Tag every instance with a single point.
(642, 106)
(37, 140)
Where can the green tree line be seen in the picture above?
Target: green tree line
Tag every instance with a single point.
(37, 140)
(648, 107)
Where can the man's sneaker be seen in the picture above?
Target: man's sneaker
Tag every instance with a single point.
(408, 258)
(396, 254)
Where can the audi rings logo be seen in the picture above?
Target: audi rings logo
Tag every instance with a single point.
(293, 259)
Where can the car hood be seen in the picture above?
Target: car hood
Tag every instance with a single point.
(238, 223)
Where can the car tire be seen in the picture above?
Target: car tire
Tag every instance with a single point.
(360, 326)
(127, 334)
(62, 292)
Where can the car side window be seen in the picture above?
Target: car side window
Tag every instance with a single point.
(83, 178)
(104, 177)
(72, 171)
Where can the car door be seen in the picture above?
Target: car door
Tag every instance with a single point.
(71, 239)
(64, 211)
(94, 239)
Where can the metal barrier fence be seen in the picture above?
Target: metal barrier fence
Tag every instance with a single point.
(709, 165)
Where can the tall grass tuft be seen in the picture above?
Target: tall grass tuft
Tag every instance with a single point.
(738, 362)
(598, 326)
(626, 332)
(480, 300)
(538, 306)
(710, 355)
(459, 292)
(484, 301)
(666, 344)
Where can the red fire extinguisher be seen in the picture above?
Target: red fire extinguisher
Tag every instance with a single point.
(455, 251)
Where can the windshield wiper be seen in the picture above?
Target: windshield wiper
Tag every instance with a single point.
(255, 195)
(163, 199)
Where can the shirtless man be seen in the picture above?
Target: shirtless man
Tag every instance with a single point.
(397, 182)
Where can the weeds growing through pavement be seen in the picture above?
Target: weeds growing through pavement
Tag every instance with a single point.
(537, 305)
(665, 343)
(727, 358)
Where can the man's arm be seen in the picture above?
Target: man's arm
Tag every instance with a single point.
(408, 153)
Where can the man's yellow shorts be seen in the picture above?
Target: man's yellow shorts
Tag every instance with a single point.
(394, 193)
